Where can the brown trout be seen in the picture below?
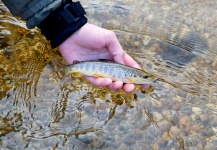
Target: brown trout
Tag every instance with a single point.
(109, 69)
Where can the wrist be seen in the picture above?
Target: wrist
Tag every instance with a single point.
(63, 22)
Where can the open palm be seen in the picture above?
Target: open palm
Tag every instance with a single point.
(92, 43)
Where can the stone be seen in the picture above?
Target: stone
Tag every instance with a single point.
(136, 43)
(1, 66)
(209, 146)
(146, 40)
(174, 131)
(210, 132)
(188, 21)
(193, 117)
(155, 146)
(129, 139)
(123, 147)
(212, 106)
(97, 142)
(196, 127)
(157, 117)
(197, 110)
(164, 125)
(166, 136)
(184, 121)
(214, 130)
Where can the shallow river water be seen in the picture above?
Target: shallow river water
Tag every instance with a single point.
(173, 40)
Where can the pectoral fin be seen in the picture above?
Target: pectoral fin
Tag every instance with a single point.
(77, 74)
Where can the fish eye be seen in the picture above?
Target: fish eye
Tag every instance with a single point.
(145, 77)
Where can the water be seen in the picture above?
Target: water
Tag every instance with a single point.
(173, 40)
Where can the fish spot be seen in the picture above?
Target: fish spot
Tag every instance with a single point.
(110, 70)
(81, 66)
(119, 74)
(101, 68)
(93, 67)
(87, 66)
(145, 77)
(105, 69)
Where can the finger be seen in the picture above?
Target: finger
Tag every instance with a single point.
(116, 86)
(129, 61)
(114, 47)
(102, 82)
(128, 88)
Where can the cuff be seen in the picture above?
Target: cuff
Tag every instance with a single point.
(63, 22)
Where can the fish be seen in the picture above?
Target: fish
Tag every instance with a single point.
(108, 69)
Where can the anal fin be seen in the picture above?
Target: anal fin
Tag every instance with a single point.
(130, 80)
(97, 75)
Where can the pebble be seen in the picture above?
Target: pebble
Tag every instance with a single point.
(162, 144)
(196, 127)
(164, 125)
(214, 63)
(127, 37)
(85, 139)
(174, 131)
(157, 117)
(204, 117)
(150, 16)
(129, 139)
(214, 129)
(1, 66)
(213, 138)
(85, 118)
(199, 146)
(8, 81)
(197, 110)
(210, 132)
(184, 121)
(138, 136)
(202, 126)
(136, 43)
(155, 146)
(178, 98)
(214, 119)
(146, 40)
(123, 147)
(167, 114)
(177, 106)
(188, 21)
(209, 146)
(166, 136)
(121, 128)
(197, 117)
(97, 142)
(175, 119)
(212, 106)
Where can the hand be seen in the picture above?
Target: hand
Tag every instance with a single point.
(92, 43)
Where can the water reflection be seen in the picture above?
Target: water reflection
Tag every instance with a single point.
(174, 41)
